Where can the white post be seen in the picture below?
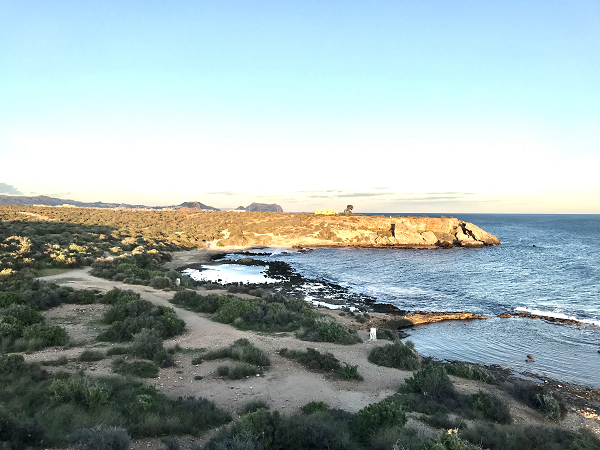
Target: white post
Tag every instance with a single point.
(373, 334)
(177, 281)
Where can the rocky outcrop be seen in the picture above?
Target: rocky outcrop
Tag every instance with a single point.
(263, 207)
(194, 206)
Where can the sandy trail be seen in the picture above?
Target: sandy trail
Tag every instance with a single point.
(286, 386)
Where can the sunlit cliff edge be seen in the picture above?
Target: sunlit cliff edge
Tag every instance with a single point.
(218, 229)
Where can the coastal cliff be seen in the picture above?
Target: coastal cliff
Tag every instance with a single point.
(307, 230)
(216, 229)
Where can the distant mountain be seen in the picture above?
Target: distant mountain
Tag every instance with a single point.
(195, 206)
(263, 207)
(54, 201)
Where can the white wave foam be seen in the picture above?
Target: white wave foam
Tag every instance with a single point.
(555, 315)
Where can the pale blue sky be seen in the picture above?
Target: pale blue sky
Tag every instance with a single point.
(449, 106)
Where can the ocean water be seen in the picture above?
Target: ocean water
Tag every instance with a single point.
(546, 264)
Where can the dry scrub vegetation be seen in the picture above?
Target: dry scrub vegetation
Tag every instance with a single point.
(122, 356)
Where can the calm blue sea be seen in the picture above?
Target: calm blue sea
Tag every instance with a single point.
(546, 264)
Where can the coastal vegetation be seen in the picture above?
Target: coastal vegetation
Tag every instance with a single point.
(397, 355)
(60, 402)
(316, 361)
(272, 313)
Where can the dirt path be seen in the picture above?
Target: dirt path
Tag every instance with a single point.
(286, 386)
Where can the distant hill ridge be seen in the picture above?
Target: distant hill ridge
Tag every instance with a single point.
(21, 200)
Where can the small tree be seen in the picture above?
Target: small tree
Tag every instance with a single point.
(348, 209)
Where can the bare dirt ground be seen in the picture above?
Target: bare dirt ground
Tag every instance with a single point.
(286, 386)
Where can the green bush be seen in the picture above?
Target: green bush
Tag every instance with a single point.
(313, 359)
(142, 369)
(91, 395)
(241, 350)
(117, 350)
(490, 407)
(395, 355)
(91, 355)
(350, 372)
(254, 405)
(326, 329)
(200, 303)
(376, 416)
(146, 344)
(470, 372)
(547, 403)
(48, 334)
(129, 315)
(387, 334)
(322, 362)
(267, 430)
(432, 381)
(160, 282)
(314, 406)
(230, 311)
(238, 371)
(99, 438)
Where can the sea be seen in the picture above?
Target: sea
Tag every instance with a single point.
(547, 265)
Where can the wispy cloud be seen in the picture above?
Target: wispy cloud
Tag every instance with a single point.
(222, 193)
(9, 189)
(450, 193)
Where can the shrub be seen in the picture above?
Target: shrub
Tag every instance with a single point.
(376, 416)
(447, 441)
(313, 359)
(48, 334)
(314, 406)
(230, 311)
(241, 350)
(129, 315)
(142, 369)
(387, 334)
(350, 372)
(547, 403)
(200, 303)
(238, 371)
(89, 394)
(432, 381)
(491, 408)
(117, 350)
(470, 372)
(160, 282)
(98, 438)
(254, 405)
(395, 355)
(146, 344)
(326, 329)
(91, 355)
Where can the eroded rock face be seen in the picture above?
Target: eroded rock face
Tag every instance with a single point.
(478, 234)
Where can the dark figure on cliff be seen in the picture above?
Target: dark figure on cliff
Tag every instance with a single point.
(348, 209)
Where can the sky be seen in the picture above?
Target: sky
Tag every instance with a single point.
(391, 106)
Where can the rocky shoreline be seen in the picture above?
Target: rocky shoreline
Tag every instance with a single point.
(339, 296)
